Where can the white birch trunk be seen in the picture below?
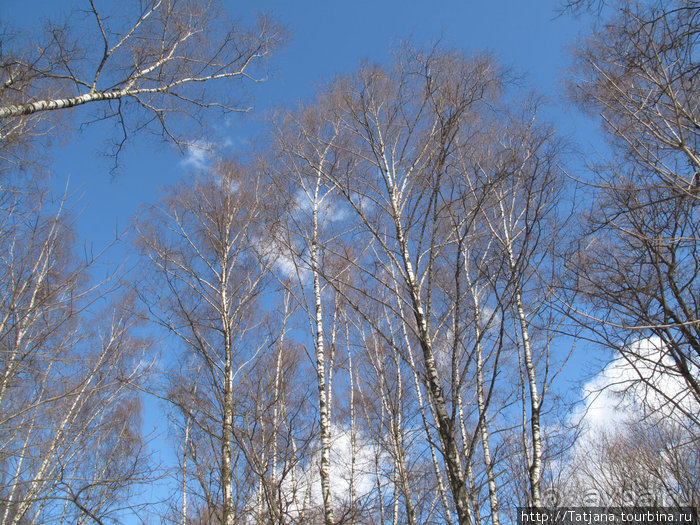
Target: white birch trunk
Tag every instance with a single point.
(481, 405)
(535, 466)
(61, 103)
(184, 470)
(445, 423)
(228, 408)
(353, 430)
(323, 409)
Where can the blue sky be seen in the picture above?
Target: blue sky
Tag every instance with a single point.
(327, 38)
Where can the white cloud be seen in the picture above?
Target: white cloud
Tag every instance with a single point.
(341, 471)
(197, 156)
(629, 396)
(281, 259)
(303, 486)
(640, 384)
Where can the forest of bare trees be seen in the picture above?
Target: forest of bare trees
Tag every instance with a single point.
(370, 318)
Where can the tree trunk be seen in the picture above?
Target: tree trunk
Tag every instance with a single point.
(323, 409)
(445, 423)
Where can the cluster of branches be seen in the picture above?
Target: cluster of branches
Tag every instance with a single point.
(639, 268)
(413, 234)
(436, 279)
(70, 445)
(71, 363)
(406, 242)
(143, 67)
(636, 274)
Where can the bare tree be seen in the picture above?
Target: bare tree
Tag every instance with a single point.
(522, 215)
(402, 125)
(203, 280)
(641, 462)
(70, 445)
(442, 244)
(301, 246)
(147, 63)
(638, 266)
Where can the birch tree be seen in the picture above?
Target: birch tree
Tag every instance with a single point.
(440, 196)
(302, 238)
(70, 445)
(148, 64)
(402, 124)
(638, 265)
(523, 214)
(203, 278)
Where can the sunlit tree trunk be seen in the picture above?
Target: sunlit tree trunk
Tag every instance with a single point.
(321, 372)
(535, 459)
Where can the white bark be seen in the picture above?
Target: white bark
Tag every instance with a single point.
(536, 463)
(482, 424)
(59, 388)
(446, 429)
(323, 409)
(198, 246)
(483, 416)
(164, 45)
(62, 103)
(353, 426)
(185, 453)
(228, 402)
